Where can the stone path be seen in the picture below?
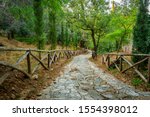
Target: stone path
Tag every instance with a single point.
(82, 80)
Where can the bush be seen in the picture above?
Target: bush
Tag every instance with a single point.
(137, 81)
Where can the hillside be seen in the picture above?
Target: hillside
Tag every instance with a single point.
(18, 86)
(4, 42)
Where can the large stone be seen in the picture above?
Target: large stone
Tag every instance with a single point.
(74, 96)
(82, 92)
(64, 91)
(95, 95)
(62, 80)
(97, 81)
(87, 97)
(102, 88)
(109, 95)
(129, 92)
(83, 80)
(86, 87)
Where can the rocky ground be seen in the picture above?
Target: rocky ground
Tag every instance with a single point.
(82, 80)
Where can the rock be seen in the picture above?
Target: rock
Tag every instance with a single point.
(82, 92)
(13, 96)
(86, 87)
(81, 79)
(95, 95)
(102, 88)
(129, 92)
(39, 94)
(109, 95)
(65, 91)
(35, 77)
(74, 96)
(97, 81)
(87, 97)
(73, 78)
(13, 88)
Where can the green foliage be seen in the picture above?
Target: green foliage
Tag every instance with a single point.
(120, 26)
(137, 81)
(92, 20)
(52, 30)
(28, 40)
(67, 40)
(14, 17)
(38, 12)
(141, 37)
(68, 22)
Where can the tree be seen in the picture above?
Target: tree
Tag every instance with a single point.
(14, 17)
(38, 12)
(67, 40)
(141, 39)
(123, 18)
(90, 16)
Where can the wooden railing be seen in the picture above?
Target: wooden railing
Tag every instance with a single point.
(117, 60)
(46, 59)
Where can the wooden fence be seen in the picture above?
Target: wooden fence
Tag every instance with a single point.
(117, 61)
(46, 60)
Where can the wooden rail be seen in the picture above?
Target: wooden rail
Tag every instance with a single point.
(117, 61)
(46, 61)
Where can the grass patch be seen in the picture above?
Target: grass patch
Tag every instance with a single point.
(29, 40)
(136, 81)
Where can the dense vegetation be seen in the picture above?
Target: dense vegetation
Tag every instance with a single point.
(100, 25)
(141, 34)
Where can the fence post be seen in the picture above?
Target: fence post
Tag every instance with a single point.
(103, 59)
(48, 59)
(108, 58)
(149, 70)
(28, 62)
(121, 63)
(40, 56)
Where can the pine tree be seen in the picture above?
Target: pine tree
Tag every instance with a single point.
(52, 31)
(38, 12)
(62, 35)
(67, 41)
(141, 39)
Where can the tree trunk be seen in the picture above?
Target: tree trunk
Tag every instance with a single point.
(10, 35)
(121, 41)
(94, 42)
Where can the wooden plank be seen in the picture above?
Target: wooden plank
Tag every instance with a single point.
(21, 58)
(149, 70)
(53, 57)
(108, 61)
(61, 54)
(103, 59)
(121, 67)
(137, 71)
(48, 60)
(124, 54)
(36, 67)
(29, 62)
(66, 53)
(135, 64)
(11, 66)
(39, 61)
(116, 66)
(115, 61)
(57, 56)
